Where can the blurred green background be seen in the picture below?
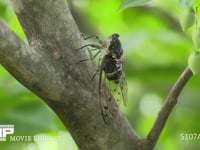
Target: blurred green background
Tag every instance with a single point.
(156, 52)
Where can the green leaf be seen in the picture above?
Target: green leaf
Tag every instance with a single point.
(132, 3)
(185, 4)
(194, 62)
(187, 19)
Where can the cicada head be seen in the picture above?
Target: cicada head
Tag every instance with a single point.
(115, 48)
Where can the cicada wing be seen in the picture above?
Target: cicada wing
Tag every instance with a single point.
(123, 88)
(103, 104)
(119, 90)
(115, 90)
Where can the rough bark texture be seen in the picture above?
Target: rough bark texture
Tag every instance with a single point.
(47, 66)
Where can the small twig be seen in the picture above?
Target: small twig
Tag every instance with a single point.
(166, 109)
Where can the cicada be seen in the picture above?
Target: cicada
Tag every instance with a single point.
(110, 68)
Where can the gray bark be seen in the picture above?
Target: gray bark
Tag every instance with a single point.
(47, 66)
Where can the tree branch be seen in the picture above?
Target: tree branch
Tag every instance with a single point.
(47, 66)
(166, 109)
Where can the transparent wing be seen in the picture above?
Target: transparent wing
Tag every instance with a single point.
(119, 91)
(103, 104)
(123, 88)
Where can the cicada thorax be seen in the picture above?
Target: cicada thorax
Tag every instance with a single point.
(115, 48)
(112, 68)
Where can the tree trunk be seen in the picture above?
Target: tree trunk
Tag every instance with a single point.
(47, 66)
